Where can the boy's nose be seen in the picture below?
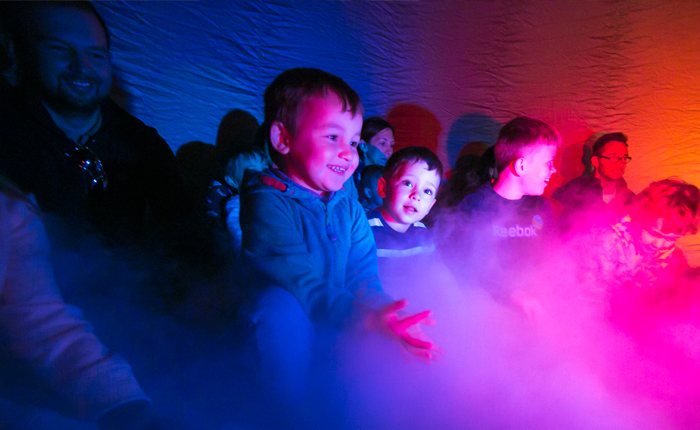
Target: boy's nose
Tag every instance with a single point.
(347, 152)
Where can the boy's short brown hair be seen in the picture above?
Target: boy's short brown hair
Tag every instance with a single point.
(674, 201)
(285, 96)
(412, 154)
(519, 134)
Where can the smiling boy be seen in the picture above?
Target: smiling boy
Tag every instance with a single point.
(306, 244)
(505, 223)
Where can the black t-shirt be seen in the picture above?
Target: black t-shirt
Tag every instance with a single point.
(500, 241)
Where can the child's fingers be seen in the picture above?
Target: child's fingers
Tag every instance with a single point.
(437, 351)
(423, 355)
(417, 343)
(429, 321)
(412, 320)
(394, 307)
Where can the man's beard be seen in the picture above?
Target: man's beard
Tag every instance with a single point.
(64, 101)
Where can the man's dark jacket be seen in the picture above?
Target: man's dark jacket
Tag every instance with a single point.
(143, 182)
(582, 201)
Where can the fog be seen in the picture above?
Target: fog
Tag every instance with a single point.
(548, 357)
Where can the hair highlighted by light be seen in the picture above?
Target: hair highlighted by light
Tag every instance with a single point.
(671, 200)
(519, 135)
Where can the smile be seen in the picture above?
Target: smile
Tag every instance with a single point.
(337, 169)
(79, 82)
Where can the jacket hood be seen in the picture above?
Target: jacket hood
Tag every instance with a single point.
(273, 180)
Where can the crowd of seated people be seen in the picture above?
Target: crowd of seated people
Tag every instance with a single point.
(323, 220)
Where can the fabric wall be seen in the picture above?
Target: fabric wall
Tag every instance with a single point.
(445, 73)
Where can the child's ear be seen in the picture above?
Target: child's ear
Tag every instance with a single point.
(519, 166)
(279, 137)
(367, 192)
(381, 187)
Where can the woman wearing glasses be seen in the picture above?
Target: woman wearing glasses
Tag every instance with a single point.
(602, 195)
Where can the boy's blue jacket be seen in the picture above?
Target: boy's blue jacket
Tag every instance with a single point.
(320, 250)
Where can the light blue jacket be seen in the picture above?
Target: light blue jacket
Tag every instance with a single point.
(319, 249)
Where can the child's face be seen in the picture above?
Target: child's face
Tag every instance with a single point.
(409, 194)
(384, 142)
(654, 239)
(323, 153)
(538, 167)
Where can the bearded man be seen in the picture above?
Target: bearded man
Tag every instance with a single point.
(62, 139)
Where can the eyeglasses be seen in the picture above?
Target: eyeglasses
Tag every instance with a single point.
(616, 160)
(88, 161)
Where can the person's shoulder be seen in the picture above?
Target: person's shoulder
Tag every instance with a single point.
(476, 197)
(265, 182)
(585, 180)
(561, 192)
(624, 190)
(574, 188)
(132, 133)
(267, 199)
(115, 115)
(272, 188)
(483, 198)
(375, 218)
(118, 120)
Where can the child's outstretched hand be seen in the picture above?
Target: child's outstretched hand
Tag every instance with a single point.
(406, 330)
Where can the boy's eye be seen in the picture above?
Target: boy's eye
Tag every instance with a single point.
(407, 183)
(429, 192)
(333, 137)
(354, 144)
